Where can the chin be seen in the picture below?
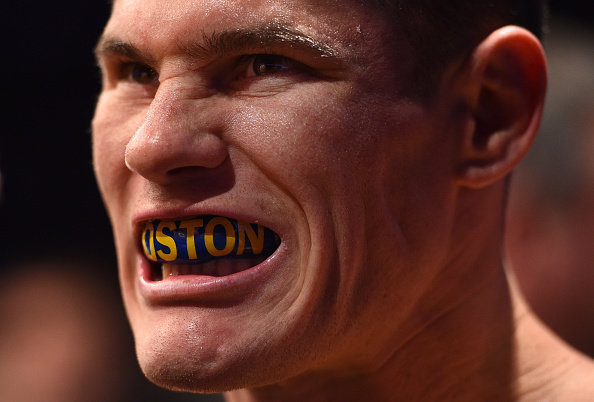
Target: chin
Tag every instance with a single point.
(188, 373)
(188, 370)
(194, 354)
(190, 365)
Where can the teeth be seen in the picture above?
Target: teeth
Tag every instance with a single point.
(185, 269)
(226, 267)
(220, 267)
(242, 265)
(209, 268)
(179, 269)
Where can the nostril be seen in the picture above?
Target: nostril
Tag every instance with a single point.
(186, 171)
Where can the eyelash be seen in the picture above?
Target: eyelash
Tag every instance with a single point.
(253, 66)
(257, 64)
(139, 73)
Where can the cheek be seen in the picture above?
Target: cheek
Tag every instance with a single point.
(307, 135)
(333, 155)
(309, 149)
(112, 127)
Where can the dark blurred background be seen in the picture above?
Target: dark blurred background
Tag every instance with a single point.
(52, 221)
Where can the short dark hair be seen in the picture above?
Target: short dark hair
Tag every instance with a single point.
(439, 31)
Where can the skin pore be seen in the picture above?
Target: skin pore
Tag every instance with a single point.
(387, 284)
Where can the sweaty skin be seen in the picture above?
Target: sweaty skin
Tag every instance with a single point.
(387, 284)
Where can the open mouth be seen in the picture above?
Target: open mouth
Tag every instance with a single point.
(205, 245)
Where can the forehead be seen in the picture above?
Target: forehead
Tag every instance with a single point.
(235, 11)
(346, 24)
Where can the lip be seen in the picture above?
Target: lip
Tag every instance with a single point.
(197, 288)
(201, 288)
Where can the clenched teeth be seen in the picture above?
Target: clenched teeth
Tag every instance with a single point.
(219, 267)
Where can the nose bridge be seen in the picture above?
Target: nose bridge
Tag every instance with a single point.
(171, 108)
(176, 132)
(167, 112)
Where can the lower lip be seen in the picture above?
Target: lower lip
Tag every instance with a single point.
(195, 288)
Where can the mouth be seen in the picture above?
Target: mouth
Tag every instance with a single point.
(207, 245)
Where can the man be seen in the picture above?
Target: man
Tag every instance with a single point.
(373, 142)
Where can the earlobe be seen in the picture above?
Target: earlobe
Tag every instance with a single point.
(506, 90)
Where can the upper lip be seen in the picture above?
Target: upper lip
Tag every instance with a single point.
(164, 213)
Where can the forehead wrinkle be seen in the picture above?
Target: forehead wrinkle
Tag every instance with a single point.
(218, 44)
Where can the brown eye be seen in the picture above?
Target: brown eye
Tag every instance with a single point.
(143, 74)
(269, 63)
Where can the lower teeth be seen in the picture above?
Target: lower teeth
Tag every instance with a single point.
(218, 267)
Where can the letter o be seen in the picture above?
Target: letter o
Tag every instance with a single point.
(209, 236)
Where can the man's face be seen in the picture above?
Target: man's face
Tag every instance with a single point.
(289, 115)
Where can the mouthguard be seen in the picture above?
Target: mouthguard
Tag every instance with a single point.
(205, 238)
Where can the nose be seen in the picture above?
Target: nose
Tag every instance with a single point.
(176, 135)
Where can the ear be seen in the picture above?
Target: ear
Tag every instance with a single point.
(505, 88)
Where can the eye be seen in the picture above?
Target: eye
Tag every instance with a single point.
(142, 74)
(264, 64)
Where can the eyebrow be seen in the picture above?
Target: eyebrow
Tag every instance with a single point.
(218, 44)
(123, 48)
